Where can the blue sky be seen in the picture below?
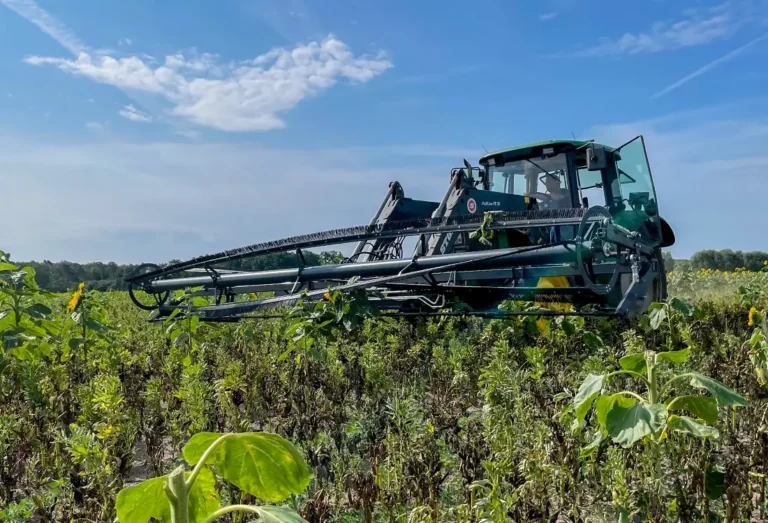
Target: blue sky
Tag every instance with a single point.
(144, 131)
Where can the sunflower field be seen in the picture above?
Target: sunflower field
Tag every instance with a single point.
(331, 416)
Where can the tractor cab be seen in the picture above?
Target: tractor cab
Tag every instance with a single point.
(571, 174)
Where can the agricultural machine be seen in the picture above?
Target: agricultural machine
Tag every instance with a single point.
(571, 226)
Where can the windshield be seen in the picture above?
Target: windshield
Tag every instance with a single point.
(636, 207)
(541, 178)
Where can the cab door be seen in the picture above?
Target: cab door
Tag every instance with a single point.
(635, 204)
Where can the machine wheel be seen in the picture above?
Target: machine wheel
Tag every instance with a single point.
(136, 292)
(585, 268)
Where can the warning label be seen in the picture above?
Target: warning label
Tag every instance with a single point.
(471, 205)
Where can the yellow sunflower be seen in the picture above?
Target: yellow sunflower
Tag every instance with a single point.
(752, 315)
(76, 296)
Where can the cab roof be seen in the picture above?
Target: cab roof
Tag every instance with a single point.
(534, 149)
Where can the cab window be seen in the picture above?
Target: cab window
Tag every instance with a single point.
(544, 179)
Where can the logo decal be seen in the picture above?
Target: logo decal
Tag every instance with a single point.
(471, 205)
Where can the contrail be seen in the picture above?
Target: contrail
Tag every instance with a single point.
(35, 14)
(709, 66)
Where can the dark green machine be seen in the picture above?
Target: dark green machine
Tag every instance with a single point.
(570, 225)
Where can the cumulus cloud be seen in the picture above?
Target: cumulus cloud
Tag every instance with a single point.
(245, 96)
(133, 114)
(697, 27)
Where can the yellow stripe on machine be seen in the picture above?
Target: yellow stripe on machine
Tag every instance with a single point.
(554, 282)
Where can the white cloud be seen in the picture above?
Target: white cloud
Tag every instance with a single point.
(546, 17)
(248, 96)
(133, 114)
(245, 96)
(125, 41)
(698, 27)
(94, 126)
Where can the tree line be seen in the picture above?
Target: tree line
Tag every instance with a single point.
(65, 276)
(722, 259)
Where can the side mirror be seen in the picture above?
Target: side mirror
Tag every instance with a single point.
(597, 158)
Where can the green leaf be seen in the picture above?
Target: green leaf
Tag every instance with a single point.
(194, 322)
(141, 502)
(593, 446)
(592, 340)
(203, 498)
(22, 353)
(714, 482)
(686, 424)
(675, 357)
(147, 500)
(568, 327)
(95, 324)
(279, 515)
(700, 406)
(181, 339)
(75, 343)
(634, 363)
(629, 425)
(265, 465)
(38, 311)
(5, 266)
(199, 301)
(172, 315)
(722, 394)
(586, 395)
(681, 306)
(605, 403)
(657, 316)
(287, 352)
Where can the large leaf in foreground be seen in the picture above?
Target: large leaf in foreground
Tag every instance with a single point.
(586, 394)
(629, 425)
(722, 394)
(141, 502)
(700, 406)
(265, 465)
(147, 500)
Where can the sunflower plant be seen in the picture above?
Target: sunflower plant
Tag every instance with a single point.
(757, 345)
(264, 465)
(627, 417)
(86, 310)
(24, 321)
